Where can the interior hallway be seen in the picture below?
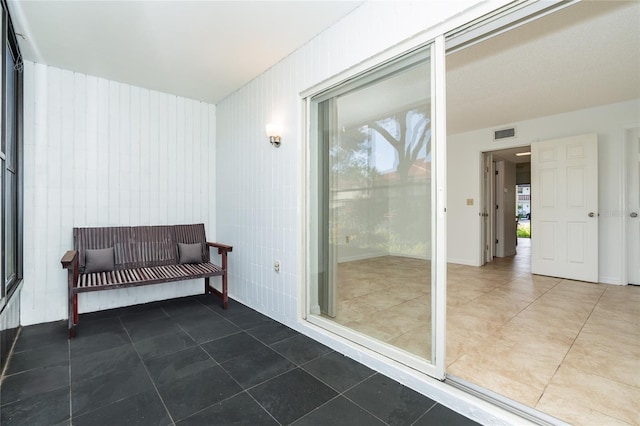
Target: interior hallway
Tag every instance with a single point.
(570, 349)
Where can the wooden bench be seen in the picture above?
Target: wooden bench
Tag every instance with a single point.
(142, 255)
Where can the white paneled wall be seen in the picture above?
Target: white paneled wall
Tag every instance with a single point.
(102, 153)
(260, 213)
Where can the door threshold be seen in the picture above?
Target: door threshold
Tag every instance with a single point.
(505, 403)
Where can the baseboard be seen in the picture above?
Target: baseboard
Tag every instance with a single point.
(362, 257)
(410, 256)
(466, 262)
(611, 280)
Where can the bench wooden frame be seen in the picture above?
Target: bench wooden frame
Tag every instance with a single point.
(144, 255)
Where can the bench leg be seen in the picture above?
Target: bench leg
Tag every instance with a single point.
(73, 314)
(221, 294)
(75, 309)
(225, 296)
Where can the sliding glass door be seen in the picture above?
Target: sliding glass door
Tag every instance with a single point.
(371, 221)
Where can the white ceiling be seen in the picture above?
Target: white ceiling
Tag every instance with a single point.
(202, 50)
(585, 55)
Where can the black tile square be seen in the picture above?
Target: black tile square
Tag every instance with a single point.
(249, 319)
(199, 315)
(214, 303)
(163, 344)
(139, 330)
(45, 329)
(251, 368)
(338, 371)
(212, 331)
(292, 395)
(42, 409)
(441, 415)
(390, 401)
(108, 361)
(193, 308)
(340, 411)
(84, 344)
(190, 394)
(184, 305)
(300, 349)
(90, 328)
(144, 409)
(33, 382)
(100, 391)
(150, 314)
(177, 365)
(34, 337)
(272, 332)
(229, 347)
(239, 410)
(44, 356)
(99, 315)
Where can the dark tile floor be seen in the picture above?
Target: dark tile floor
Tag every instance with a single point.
(188, 362)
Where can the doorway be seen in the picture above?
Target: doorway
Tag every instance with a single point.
(506, 199)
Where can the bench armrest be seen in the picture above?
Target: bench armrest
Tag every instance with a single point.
(221, 247)
(70, 260)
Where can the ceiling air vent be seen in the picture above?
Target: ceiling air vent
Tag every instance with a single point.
(504, 133)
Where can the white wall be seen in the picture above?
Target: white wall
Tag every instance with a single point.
(259, 208)
(102, 153)
(464, 166)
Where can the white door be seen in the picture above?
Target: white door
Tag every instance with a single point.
(633, 205)
(564, 209)
(488, 207)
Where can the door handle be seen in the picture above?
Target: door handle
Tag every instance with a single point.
(592, 214)
(633, 214)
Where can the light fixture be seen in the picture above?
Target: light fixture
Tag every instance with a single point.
(273, 132)
(522, 154)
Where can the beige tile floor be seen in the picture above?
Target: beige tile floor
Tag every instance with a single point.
(570, 349)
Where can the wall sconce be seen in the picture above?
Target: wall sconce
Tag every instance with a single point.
(273, 132)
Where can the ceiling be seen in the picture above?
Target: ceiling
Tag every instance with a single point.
(202, 50)
(582, 56)
(509, 154)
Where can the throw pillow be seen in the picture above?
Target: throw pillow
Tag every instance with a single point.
(190, 253)
(100, 260)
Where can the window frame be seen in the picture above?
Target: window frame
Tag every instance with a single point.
(11, 199)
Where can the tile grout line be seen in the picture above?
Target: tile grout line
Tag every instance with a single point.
(243, 390)
(570, 347)
(146, 370)
(70, 389)
(10, 356)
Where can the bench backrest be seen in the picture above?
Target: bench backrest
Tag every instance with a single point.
(140, 246)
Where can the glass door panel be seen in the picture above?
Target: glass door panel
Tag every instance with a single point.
(371, 227)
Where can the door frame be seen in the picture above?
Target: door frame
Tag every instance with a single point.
(483, 195)
(487, 197)
(435, 367)
(626, 262)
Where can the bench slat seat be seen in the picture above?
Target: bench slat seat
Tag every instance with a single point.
(142, 276)
(142, 255)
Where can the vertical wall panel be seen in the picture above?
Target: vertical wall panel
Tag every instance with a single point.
(259, 214)
(102, 153)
